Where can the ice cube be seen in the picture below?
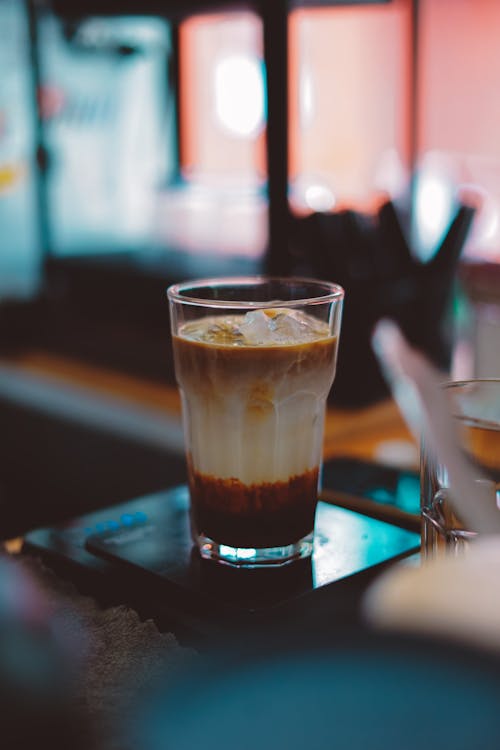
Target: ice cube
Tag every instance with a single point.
(256, 328)
(224, 331)
(294, 327)
(280, 326)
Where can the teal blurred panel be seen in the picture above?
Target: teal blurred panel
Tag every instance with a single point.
(19, 242)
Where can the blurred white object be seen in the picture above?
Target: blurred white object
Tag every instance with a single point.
(401, 453)
(417, 388)
(455, 597)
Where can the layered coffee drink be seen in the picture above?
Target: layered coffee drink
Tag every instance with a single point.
(254, 386)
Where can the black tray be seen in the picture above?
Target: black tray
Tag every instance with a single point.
(140, 553)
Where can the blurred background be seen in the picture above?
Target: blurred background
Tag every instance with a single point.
(145, 143)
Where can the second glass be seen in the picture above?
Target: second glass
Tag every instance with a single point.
(254, 359)
(475, 406)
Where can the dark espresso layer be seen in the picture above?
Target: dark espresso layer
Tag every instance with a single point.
(253, 516)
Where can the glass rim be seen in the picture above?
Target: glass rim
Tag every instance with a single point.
(469, 381)
(332, 292)
(450, 385)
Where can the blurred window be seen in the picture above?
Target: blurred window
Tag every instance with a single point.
(222, 99)
(459, 117)
(221, 205)
(110, 126)
(109, 121)
(349, 78)
(350, 89)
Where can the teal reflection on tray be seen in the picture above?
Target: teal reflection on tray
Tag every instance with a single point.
(347, 542)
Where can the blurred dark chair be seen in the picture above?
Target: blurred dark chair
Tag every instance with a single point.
(372, 259)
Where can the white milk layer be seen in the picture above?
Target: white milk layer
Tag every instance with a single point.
(225, 442)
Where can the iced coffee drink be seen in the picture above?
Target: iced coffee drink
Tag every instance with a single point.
(254, 385)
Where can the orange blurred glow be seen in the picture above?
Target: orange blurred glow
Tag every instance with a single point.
(459, 107)
(350, 73)
(207, 149)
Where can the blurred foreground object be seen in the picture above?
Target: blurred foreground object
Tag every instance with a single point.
(37, 709)
(348, 692)
(459, 426)
(452, 597)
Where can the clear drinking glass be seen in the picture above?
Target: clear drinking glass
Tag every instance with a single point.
(475, 406)
(254, 360)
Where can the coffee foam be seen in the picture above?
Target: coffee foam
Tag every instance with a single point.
(253, 412)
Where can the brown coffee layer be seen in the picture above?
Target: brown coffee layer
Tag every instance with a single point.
(271, 514)
(209, 368)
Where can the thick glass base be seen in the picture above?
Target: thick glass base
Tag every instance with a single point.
(248, 557)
